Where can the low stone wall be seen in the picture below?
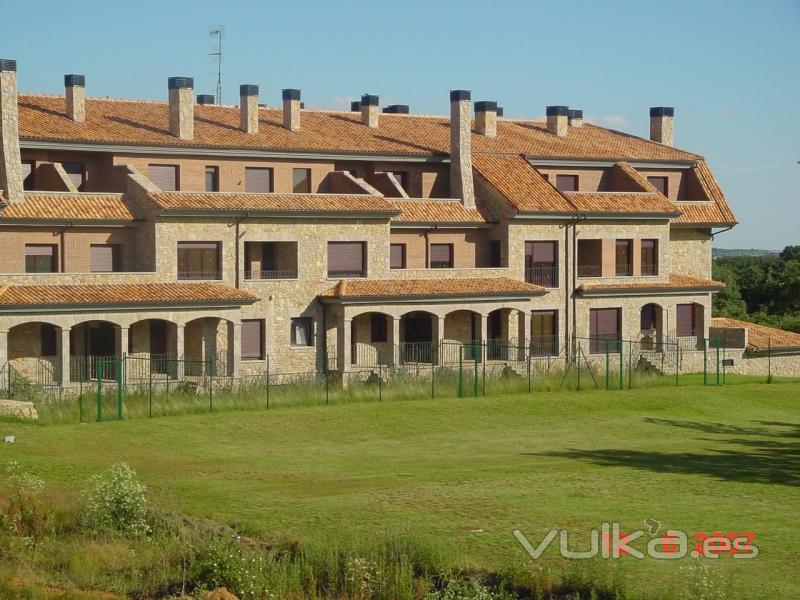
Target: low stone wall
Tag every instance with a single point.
(21, 410)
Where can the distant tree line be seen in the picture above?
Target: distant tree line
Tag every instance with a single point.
(761, 289)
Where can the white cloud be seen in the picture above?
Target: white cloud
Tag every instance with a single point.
(613, 121)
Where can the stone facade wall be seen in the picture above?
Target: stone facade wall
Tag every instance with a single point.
(471, 247)
(691, 252)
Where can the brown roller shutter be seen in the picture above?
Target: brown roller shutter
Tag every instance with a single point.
(442, 254)
(252, 338)
(346, 259)
(103, 258)
(604, 324)
(164, 176)
(257, 181)
(397, 258)
(40, 250)
(685, 320)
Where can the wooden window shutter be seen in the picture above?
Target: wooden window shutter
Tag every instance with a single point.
(165, 177)
(103, 258)
(252, 338)
(257, 180)
(346, 257)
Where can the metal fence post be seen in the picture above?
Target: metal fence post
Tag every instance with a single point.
(485, 354)
(380, 379)
(461, 371)
(99, 393)
(608, 380)
(150, 392)
(769, 359)
(718, 345)
(577, 357)
(705, 366)
(529, 372)
(677, 370)
(210, 392)
(325, 371)
(475, 374)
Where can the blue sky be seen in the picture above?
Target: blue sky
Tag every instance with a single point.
(731, 69)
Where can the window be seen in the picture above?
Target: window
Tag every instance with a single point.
(590, 258)
(649, 257)
(49, 340)
(28, 182)
(685, 320)
(378, 328)
(495, 253)
(104, 258)
(270, 260)
(544, 333)
(253, 339)
(660, 183)
(212, 179)
(402, 179)
(40, 258)
(199, 260)
(302, 331)
(165, 177)
(347, 259)
(567, 183)
(301, 181)
(397, 256)
(624, 258)
(441, 256)
(541, 263)
(604, 324)
(75, 171)
(257, 180)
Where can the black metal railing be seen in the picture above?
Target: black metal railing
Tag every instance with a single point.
(590, 271)
(346, 274)
(544, 276)
(649, 270)
(544, 345)
(624, 270)
(271, 274)
(199, 275)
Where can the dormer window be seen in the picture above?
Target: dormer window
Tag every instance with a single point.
(567, 183)
(660, 183)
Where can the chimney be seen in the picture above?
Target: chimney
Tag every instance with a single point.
(291, 109)
(75, 86)
(10, 160)
(486, 118)
(461, 185)
(499, 111)
(575, 118)
(369, 110)
(557, 117)
(248, 108)
(355, 106)
(661, 124)
(205, 99)
(397, 109)
(181, 108)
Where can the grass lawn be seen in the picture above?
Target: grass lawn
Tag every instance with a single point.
(466, 472)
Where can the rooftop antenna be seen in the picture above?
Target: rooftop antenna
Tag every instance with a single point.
(218, 32)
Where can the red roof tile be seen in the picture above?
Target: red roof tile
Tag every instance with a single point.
(761, 338)
(433, 288)
(274, 203)
(676, 282)
(438, 211)
(66, 206)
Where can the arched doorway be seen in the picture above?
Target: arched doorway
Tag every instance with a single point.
(651, 326)
(417, 341)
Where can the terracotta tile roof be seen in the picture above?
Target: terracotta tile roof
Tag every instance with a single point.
(438, 211)
(274, 203)
(434, 288)
(761, 338)
(65, 206)
(122, 294)
(146, 123)
(629, 203)
(714, 210)
(676, 282)
(521, 184)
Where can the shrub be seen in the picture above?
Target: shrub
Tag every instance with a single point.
(25, 514)
(115, 503)
(459, 589)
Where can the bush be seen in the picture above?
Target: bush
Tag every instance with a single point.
(458, 589)
(25, 514)
(115, 503)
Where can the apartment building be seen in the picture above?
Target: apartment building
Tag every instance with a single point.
(326, 240)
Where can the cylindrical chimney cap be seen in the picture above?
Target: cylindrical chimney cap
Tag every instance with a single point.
(73, 80)
(355, 106)
(575, 113)
(8, 65)
(457, 95)
(486, 106)
(369, 100)
(205, 98)
(499, 111)
(179, 83)
(397, 109)
(291, 94)
(557, 111)
(662, 111)
(248, 89)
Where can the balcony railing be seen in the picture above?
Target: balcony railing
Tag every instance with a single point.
(544, 345)
(624, 270)
(590, 271)
(346, 274)
(199, 275)
(271, 274)
(544, 276)
(649, 270)
(605, 342)
(441, 264)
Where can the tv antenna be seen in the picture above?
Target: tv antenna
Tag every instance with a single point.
(218, 32)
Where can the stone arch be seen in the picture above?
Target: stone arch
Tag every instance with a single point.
(34, 351)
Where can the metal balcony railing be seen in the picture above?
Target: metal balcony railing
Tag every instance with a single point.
(346, 274)
(624, 270)
(544, 276)
(199, 275)
(544, 345)
(649, 270)
(271, 274)
(590, 271)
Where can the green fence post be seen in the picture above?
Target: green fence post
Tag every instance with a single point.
(327, 384)
(150, 391)
(718, 345)
(433, 379)
(483, 392)
(324, 371)
(99, 393)
(529, 372)
(705, 366)
(621, 361)
(475, 374)
(630, 364)
(380, 379)
(120, 386)
(80, 400)
(677, 370)
(769, 359)
(210, 393)
(577, 357)
(608, 380)
(461, 371)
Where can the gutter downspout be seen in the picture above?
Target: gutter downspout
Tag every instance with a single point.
(236, 253)
(713, 235)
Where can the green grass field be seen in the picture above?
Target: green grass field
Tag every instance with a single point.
(466, 472)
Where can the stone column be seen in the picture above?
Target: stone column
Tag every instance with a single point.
(234, 348)
(439, 352)
(524, 333)
(344, 342)
(395, 341)
(122, 342)
(64, 353)
(179, 351)
(483, 331)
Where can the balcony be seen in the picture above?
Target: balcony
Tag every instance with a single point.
(544, 345)
(337, 274)
(270, 261)
(199, 275)
(544, 276)
(270, 274)
(649, 270)
(623, 270)
(590, 271)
